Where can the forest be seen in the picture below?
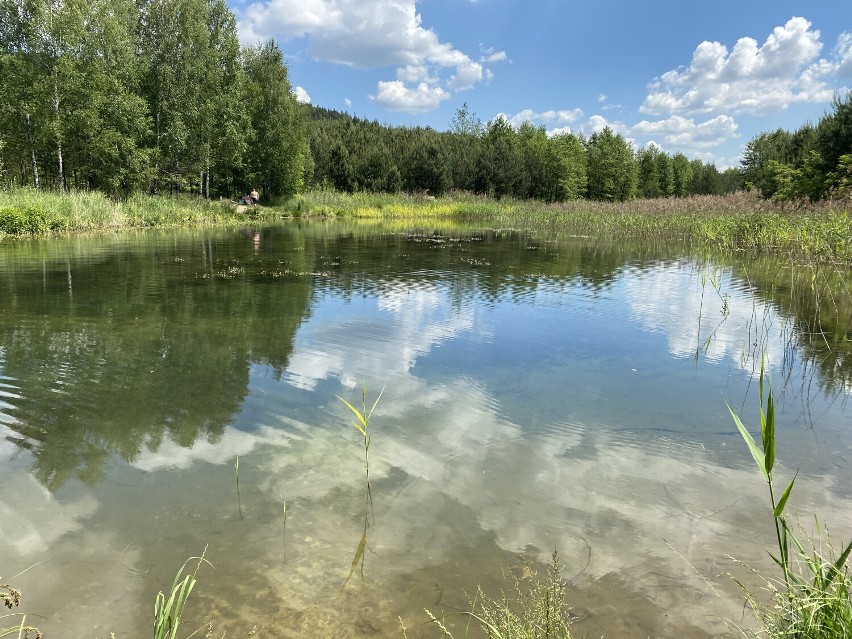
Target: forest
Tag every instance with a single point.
(158, 96)
(151, 96)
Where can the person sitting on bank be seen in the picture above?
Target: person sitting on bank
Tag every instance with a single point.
(247, 199)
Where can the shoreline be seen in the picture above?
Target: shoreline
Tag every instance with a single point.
(811, 232)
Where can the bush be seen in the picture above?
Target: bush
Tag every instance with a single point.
(29, 220)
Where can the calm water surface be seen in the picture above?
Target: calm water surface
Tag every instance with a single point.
(539, 394)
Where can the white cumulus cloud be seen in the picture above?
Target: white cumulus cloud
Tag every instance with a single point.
(752, 78)
(550, 119)
(396, 96)
(302, 95)
(373, 34)
(685, 133)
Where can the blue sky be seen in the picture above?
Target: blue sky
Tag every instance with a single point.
(691, 77)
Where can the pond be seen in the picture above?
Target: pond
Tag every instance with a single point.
(166, 392)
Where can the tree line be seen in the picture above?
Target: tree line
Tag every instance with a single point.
(124, 96)
(812, 163)
(497, 159)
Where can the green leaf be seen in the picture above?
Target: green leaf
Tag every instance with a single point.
(362, 428)
(783, 501)
(375, 403)
(841, 561)
(759, 458)
(769, 432)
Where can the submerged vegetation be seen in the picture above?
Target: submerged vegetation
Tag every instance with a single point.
(535, 611)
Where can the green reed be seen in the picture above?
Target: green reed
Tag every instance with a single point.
(813, 601)
(362, 423)
(819, 231)
(738, 222)
(168, 611)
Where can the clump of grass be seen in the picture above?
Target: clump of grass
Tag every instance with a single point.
(168, 611)
(538, 611)
(27, 211)
(813, 600)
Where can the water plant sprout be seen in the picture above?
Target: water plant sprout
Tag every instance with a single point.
(167, 612)
(362, 423)
(814, 601)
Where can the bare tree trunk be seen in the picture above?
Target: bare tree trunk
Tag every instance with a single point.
(61, 167)
(58, 138)
(156, 177)
(32, 153)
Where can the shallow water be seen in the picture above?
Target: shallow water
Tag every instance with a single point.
(539, 394)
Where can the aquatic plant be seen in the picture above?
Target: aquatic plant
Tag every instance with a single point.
(237, 476)
(737, 222)
(362, 423)
(537, 611)
(167, 612)
(814, 600)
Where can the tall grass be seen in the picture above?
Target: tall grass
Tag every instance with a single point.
(813, 601)
(27, 211)
(737, 222)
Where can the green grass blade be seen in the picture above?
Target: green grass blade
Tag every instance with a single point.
(783, 501)
(841, 561)
(375, 403)
(769, 432)
(362, 428)
(759, 458)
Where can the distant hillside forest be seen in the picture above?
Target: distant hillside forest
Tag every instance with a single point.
(128, 96)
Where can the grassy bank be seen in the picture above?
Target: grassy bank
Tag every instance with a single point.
(739, 222)
(31, 212)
